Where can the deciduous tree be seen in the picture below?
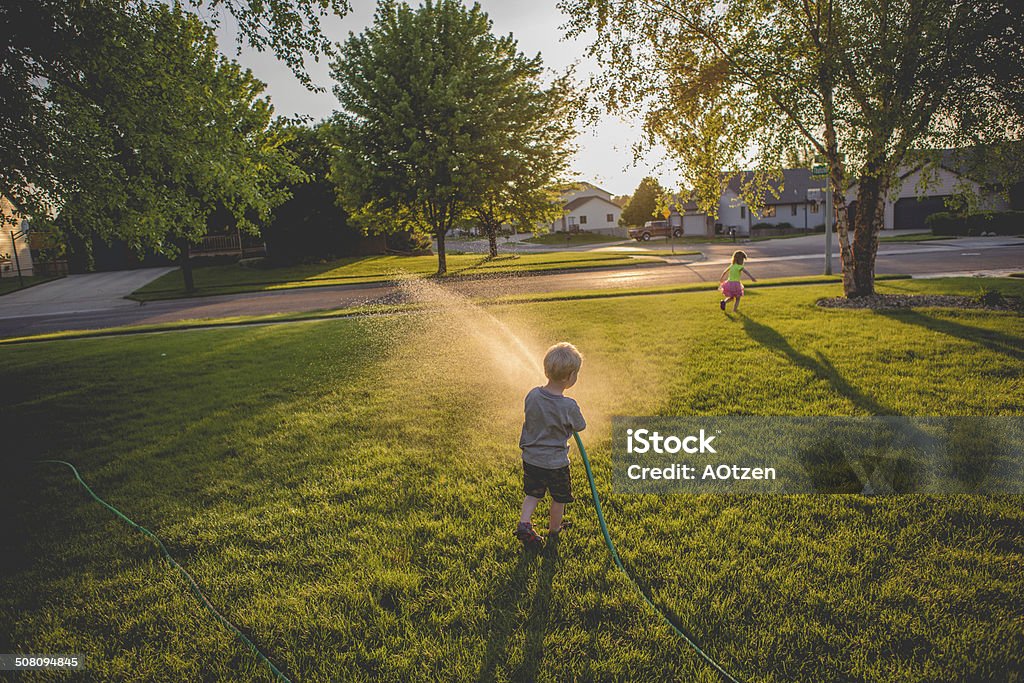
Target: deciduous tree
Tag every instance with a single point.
(644, 204)
(872, 86)
(154, 130)
(439, 119)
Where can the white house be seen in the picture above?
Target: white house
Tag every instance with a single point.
(13, 253)
(914, 202)
(589, 208)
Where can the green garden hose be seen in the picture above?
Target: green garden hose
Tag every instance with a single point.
(618, 563)
(277, 672)
(188, 577)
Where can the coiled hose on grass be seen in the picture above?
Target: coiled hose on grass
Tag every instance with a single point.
(618, 563)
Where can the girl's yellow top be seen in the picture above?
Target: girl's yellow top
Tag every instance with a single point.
(734, 272)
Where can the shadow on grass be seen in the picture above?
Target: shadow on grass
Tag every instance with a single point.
(511, 591)
(819, 365)
(994, 341)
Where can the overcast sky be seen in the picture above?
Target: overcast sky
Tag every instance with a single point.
(605, 155)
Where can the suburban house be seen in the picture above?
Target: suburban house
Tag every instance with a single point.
(791, 207)
(909, 208)
(695, 222)
(15, 251)
(588, 208)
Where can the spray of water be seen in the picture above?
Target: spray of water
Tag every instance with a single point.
(458, 353)
(464, 340)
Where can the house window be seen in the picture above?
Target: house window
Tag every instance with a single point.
(792, 209)
(769, 212)
(814, 207)
(743, 212)
(583, 220)
(609, 218)
(572, 221)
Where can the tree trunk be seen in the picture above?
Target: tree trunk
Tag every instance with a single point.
(186, 265)
(442, 264)
(867, 221)
(492, 239)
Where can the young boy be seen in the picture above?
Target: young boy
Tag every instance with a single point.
(551, 418)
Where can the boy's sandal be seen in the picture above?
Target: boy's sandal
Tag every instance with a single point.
(527, 534)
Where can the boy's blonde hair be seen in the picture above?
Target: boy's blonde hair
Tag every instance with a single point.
(561, 361)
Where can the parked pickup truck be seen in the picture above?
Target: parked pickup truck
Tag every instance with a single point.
(654, 229)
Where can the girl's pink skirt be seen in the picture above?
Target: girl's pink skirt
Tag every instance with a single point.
(731, 289)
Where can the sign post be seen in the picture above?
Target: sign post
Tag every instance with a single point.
(822, 170)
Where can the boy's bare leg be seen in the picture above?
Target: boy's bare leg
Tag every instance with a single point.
(555, 523)
(529, 505)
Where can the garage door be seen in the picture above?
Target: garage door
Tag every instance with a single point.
(910, 212)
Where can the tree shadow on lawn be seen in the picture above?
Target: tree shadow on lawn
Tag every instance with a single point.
(820, 366)
(998, 342)
(509, 593)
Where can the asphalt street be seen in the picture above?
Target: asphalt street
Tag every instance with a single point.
(74, 304)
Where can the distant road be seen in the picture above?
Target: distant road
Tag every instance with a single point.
(778, 258)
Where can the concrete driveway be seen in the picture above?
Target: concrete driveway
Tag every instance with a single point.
(78, 293)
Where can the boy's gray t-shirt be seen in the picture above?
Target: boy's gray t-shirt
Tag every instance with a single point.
(550, 421)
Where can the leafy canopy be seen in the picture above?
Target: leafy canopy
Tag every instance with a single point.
(58, 121)
(644, 205)
(439, 117)
(154, 130)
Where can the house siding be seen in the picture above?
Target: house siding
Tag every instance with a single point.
(943, 183)
(592, 216)
(21, 244)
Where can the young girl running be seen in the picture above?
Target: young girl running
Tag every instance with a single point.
(732, 288)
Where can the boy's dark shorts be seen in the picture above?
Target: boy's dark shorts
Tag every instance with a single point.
(538, 480)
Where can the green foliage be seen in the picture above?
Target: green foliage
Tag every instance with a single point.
(310, 225)
(292, 29)
(864, 84)
(974, 224)
(57, 118)
(440, 118)
(147, 131)
(644, 204)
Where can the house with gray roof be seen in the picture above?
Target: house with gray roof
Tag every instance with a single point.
(791, 206)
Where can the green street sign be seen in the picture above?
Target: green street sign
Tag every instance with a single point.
(819, 170)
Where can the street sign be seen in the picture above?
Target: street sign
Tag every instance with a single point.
(819, 169)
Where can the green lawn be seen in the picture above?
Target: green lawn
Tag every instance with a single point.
(233, 278)
(574, 240)
(10, 283)
(345, 491)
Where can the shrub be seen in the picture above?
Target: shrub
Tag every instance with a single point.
(999, 222)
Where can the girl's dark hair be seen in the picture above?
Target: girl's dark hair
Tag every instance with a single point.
(738, 257)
